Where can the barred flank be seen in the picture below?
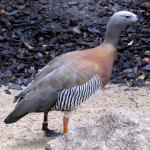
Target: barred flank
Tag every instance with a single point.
(68, 99)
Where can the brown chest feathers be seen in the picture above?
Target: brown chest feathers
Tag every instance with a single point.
(102, 59)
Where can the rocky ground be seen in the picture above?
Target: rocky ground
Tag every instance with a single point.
(26, 134)
(32, 32)
(119, 129)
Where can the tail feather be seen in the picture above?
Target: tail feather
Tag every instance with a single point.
(22, 94)
(34, 101)
(11, 118)
(19, 97)
(17, 113)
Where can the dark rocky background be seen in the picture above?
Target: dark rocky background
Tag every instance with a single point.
(32, 32)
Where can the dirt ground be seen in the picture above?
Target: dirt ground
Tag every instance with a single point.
(26, 134)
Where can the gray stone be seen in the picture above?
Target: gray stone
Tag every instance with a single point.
(147, 53)
(119, 129)
(147, 67)
(73, 2)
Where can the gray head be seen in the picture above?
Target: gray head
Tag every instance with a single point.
(117, 23)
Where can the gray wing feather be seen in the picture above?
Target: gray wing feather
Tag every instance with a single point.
(40, 100)
(46, 70)
(35, 101)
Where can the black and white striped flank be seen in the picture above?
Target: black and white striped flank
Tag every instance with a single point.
(69, 99)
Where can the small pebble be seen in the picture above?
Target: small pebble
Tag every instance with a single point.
(7, 91)
(73, 2)
(147, 67)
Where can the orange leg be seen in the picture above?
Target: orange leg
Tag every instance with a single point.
(65, 123)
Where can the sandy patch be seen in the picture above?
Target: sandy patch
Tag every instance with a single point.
(26, 134)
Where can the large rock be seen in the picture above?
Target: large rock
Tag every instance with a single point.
(119, 129)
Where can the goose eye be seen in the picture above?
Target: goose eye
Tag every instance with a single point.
(127, 17)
